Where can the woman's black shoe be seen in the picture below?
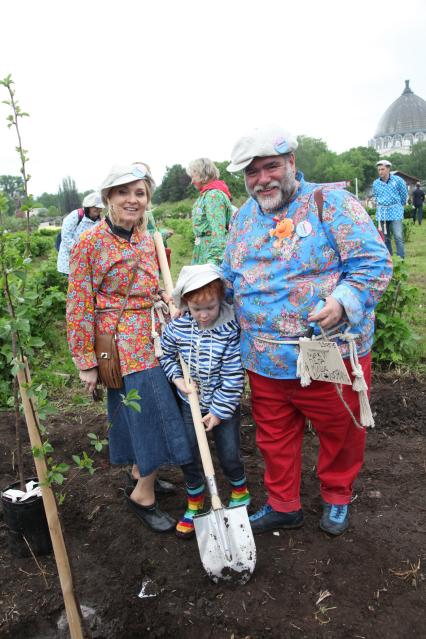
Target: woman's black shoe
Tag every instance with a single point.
(151, 516)
(161, 486)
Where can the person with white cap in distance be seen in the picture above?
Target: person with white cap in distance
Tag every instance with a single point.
(76, 223)
(291, 245)
(207, 337)
(391, 193)
(116, 262)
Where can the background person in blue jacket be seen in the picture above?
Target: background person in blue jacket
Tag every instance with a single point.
(391, 193)
(208, 338)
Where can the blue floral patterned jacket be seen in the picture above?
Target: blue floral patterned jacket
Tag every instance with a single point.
(278, 281)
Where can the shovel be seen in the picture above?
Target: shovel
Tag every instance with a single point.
(224, 536)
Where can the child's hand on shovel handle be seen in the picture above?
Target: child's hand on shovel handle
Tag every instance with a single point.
(210, 421)
(180, 383)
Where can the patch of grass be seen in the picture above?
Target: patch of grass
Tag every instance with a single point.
(415, 251)
(181, 254)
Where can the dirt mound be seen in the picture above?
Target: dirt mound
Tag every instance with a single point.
(368, 583)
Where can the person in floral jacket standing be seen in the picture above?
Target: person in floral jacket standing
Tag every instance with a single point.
(286, 253)
(211, 213)
(115, 259)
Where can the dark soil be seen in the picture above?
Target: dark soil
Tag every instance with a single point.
(368, 583)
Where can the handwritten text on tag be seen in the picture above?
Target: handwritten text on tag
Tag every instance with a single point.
(325, 362)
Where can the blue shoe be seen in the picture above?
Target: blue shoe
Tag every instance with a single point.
(267, 519)
(335, 518)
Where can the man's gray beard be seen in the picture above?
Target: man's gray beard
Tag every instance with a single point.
(286, 190)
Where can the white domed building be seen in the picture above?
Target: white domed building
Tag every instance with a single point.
(402, 124)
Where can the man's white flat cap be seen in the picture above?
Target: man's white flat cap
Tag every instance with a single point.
(261, 143)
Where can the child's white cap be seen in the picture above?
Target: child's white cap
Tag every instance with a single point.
(193, 277)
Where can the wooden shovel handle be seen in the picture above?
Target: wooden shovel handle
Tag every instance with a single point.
(194, 404)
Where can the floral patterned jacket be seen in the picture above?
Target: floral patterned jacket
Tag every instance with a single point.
(210, 219)
(277, 282)
(101, 265)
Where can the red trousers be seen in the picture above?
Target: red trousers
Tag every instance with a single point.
(280, 408)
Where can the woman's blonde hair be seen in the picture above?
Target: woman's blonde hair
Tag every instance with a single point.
(204, 168)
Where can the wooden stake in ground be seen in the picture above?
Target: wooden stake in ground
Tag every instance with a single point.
(72, 607)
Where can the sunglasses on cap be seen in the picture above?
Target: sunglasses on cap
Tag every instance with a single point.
(140, 171)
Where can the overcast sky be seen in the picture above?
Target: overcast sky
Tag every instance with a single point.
(165, 82)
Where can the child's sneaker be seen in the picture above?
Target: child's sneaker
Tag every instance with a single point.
(185, 526)
(240, 495)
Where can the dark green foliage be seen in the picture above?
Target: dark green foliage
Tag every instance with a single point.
(69, 198)
(313, 158)
(172, 210)
(319, 164)
(12, 186)
(395, 341)
(49, 199)
(174, 185)
(235, 181)
(414, 164)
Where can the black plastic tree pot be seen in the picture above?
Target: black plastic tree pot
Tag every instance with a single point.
(26, 519)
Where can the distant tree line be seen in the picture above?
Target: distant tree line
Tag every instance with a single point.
(318, 164)
(313, 158)
(57, 204)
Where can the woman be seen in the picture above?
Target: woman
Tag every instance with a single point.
(116, 256)
(74, 224)
(211, 213)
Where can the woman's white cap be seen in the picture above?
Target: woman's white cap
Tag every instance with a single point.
(193, 277)
(124, 174)
(93, 199)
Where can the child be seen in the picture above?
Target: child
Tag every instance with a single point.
(208, 338)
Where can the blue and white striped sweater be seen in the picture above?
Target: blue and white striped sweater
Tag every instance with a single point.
(213, 356)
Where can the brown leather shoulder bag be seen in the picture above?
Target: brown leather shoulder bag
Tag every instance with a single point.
(109, 371)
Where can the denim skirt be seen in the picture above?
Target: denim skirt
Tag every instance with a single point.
(156, 435)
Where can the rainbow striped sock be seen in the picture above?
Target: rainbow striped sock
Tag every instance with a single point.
(240, 495)
(185, 525)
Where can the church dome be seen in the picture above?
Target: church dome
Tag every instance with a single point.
(402, 124)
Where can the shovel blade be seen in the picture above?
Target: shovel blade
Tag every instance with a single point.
(226, 544)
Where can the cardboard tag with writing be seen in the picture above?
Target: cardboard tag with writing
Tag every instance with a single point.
(324, 362)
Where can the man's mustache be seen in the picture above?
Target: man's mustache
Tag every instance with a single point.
(274, 183)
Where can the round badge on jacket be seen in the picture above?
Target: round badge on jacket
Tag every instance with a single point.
(304, 228)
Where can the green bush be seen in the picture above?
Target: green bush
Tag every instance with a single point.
(40, 245)
(395, 341)
(178, 210)
(39, 294)
(48, 231)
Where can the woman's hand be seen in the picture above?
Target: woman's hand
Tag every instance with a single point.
(90, 378)
(329, 315)
(164, 297)
(210, 421)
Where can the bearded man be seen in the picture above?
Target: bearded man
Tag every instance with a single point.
(291, 245)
